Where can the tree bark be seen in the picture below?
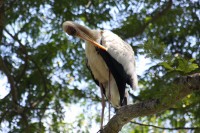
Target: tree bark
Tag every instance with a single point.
(181, 87)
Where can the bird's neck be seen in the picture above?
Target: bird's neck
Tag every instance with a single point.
(93, 34)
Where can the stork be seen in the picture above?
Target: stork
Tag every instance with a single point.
(110, 60)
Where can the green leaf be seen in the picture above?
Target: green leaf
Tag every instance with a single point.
(166, 65)
(186, 66)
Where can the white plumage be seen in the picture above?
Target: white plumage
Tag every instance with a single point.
(100, 72)
(110, 60)
(122, 52)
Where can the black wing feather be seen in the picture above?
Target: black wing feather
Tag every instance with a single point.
(117, 71)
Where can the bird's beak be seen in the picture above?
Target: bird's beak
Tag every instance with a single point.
(71, 29)
(87, 38)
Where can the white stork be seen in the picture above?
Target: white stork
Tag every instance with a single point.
(110, 60)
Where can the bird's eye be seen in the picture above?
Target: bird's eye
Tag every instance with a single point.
(71, 31)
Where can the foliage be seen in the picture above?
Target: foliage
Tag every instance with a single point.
(46, 73)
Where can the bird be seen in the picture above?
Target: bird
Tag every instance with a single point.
(110, 60)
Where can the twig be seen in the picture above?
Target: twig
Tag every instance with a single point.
(166, 128)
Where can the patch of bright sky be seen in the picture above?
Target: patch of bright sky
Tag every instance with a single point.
(4, 86)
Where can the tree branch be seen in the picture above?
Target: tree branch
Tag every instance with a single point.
(22, 49)
(11, 81)
(27, 57)
(1, 19)
(165, 128)
(158, 13)
(181, 87)
(4, 68)
(25, 122)
(154, 16)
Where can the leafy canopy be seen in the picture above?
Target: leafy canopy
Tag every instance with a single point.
(46, 71)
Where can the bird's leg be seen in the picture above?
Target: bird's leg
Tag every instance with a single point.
(103, 106)
(109, 96)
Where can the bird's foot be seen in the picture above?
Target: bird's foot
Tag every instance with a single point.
(101, 130)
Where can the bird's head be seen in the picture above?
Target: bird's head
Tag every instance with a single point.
(82, 32)
(70, 28)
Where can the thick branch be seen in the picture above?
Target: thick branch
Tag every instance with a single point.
(181, 88)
